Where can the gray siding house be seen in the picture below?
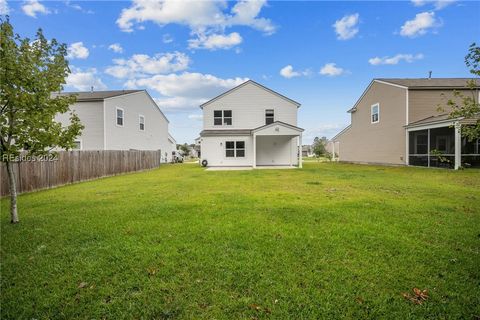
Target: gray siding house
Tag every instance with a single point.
(396, 121)
(120, 120)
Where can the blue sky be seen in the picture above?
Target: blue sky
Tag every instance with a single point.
(321, 54)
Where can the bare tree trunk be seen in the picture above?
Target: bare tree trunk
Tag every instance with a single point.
(13, 193)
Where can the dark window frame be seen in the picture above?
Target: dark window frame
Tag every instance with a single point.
(269, 116)
(233, 150)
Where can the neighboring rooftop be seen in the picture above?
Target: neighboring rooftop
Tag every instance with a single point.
(424, 83)
(97, 95)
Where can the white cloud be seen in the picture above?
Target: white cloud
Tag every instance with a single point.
(77, 51)
(32, 7)
(83, 80)
(77, 7)
(198, 15)
(116, 47)
(419, 25)
(395, 59)
(215, 41)
(140, 65)
(287, 72)
(186, 90)
(197, 117)
(331, 69)
(438, 5)
(346, 28)
(167, 38)
(4, 9)
(322, 130)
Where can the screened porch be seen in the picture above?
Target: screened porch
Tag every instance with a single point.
(436, 147)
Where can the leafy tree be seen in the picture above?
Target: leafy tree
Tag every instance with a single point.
(184, 148)
(467, 105)
(30, 71)
(320, 146)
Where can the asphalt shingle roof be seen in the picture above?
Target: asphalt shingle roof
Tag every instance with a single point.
(431, 83)
(97, 95)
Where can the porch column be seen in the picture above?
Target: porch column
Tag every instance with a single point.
(458, 145)
(254, 150)
(333, 151)
(300, 151)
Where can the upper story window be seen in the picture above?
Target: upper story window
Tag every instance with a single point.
(141, 122)
(269, 116)
(222, 117)
(120, 115)
(375, 114)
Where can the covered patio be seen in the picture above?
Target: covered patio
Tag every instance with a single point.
(277, 145)
(438, 142)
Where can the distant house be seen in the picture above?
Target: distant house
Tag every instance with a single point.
(251, 125)
(396, 121)
(173, 146)
(120, 120)
(307, 151)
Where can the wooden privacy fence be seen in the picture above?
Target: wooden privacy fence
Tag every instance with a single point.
(74, 166)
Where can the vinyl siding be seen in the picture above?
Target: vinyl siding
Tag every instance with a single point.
(155, 135)
(424, 103)
(213, 150)
(91, 116)
(248, 105)
(382, 142)
(276, 150)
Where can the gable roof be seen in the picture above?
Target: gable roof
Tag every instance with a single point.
(283, 124)
(244, 84)
(419, 84)
(430, 83)
(97, 95)
(91, 96)
(244, 132)
(340, 133)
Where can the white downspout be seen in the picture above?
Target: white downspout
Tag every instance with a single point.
(300, 165)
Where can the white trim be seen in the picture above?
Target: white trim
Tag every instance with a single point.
(254, 151)
(458, 145)
(378, 113)
(104, 126)
(256, 84)
(335, 137)
(390, 84)
(353, 109)
(139, 122)
(445, 123)
(116, 117)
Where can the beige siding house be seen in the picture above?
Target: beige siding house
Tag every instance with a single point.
(120, 120)
(250, 125)
(396, 121)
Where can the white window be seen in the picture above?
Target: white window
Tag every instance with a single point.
(222, 117)
(141, 122)
(375, 114)
(119, 113)
(269, 116)
(235, 149)
(77, 145)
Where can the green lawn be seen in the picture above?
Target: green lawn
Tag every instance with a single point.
(328, 241)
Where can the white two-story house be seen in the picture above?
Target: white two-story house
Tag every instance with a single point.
(250, 125)
(120, 120)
